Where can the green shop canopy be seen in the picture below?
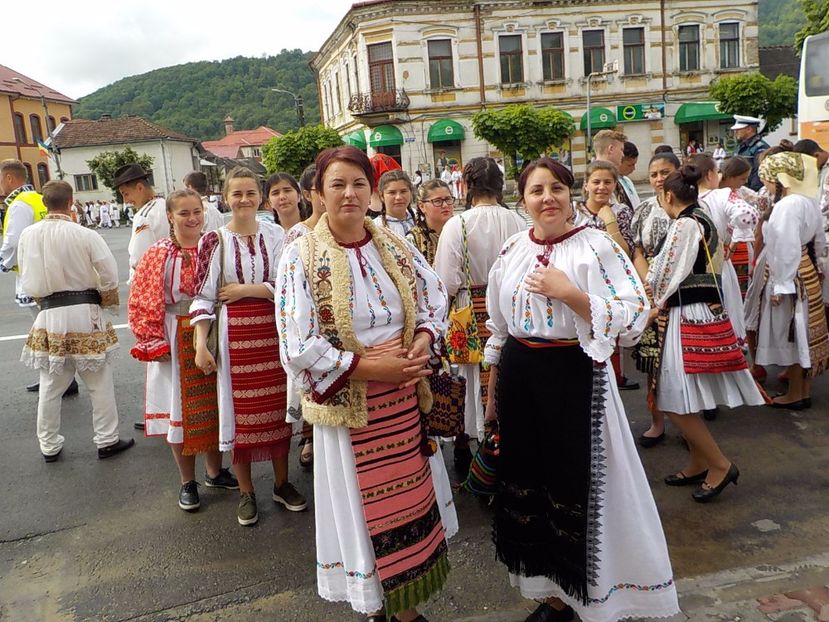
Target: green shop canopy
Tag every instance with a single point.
(600, 119)
(446, 129)
(356, 138)
(692, 112)
(384, 136)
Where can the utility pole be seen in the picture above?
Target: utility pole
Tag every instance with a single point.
(298, 103)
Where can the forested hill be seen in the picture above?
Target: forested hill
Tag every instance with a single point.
(194, 98)
(779, 21)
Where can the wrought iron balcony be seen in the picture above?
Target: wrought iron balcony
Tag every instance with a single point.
(382, 101)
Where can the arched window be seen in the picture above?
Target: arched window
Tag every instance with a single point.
(50, 124)
(19, 129)
(37, 128)
(42, 173)
(29, 175)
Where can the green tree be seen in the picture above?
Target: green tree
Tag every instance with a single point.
(522, 130)
(817, 20)
(106, 163)
(755, 95)
(293, 151)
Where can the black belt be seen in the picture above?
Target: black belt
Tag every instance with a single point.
(68, 299)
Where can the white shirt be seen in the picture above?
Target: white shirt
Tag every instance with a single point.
(734, 218)
(630, 190)
(487, 228)
(795, 221)
(149, 225)
(213, 218)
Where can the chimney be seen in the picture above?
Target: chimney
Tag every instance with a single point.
(105, 117)
(228, 125)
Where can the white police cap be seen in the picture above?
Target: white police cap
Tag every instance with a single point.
(741, 121)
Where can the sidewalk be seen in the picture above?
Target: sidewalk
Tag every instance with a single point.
(795, 592)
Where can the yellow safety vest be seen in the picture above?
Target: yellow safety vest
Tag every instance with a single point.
(33, 200)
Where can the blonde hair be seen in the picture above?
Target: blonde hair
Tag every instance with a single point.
(603, 138)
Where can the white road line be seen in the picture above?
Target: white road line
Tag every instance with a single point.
(21, 337)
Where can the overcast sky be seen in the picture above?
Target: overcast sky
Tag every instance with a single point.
(88, 44)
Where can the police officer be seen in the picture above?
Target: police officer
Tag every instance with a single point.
(747, 131)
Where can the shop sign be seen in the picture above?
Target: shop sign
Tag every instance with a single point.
(640, 112)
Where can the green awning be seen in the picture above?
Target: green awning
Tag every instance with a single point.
(446, 129)
(600, 119)
(692, 112)
(357, 139)
(384, 136)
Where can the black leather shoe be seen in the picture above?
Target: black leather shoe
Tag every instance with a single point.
(188, 496)
(419, 618)
(378, 618)
(704, 495)
(72, 390)
(52, 457)
(117, 448)
(462, 458)
(710, 414)
(546, 613)
(649, 441)
(33, 388)
(628, 385)
(138, 425)
(798, 405)
(680, 479)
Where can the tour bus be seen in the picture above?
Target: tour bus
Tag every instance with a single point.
(813, 96)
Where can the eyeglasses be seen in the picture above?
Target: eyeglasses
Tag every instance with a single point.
(443, 201)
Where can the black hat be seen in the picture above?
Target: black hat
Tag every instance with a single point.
(128, 173)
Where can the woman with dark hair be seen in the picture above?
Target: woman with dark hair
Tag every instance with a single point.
(396, 194)
(792, 328)
(473, 239)
(435, 206)
(359, 316)
(685, 282)
(649, 226)
(311, 198)
(560, 297)
(283, 197)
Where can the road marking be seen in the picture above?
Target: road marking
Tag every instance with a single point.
(26, 336)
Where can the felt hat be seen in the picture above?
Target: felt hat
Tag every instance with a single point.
(128, 173)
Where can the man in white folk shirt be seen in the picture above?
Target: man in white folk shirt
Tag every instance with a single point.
(213, 219)
(72, 274)
(24, 207)
(149, 222)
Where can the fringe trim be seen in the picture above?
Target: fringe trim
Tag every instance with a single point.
(420, 590)
(246, 455)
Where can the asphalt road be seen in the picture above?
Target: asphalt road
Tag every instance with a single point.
(83, 539)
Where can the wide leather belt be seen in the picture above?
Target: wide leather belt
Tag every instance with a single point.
(68, 299)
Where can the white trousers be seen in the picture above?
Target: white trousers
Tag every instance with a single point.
(104, 412)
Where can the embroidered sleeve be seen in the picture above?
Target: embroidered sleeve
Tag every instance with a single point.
(624, 218)
(432, 301)
(676, 259)
(618, 303)
(497, 323)
(449, 256)
(310, 359)
(145, 306)
(105, 265)
(208, 277)
(782, 236)
(143, 236)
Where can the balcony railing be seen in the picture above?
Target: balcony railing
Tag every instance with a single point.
(383, 101)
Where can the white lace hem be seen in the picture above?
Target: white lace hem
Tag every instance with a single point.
(54, 364)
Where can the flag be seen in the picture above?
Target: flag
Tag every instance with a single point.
(42, 148)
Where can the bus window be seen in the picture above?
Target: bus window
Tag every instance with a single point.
(816, 61)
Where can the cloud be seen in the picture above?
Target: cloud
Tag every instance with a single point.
(96, 42)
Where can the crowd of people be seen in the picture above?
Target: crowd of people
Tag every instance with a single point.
(303, 316)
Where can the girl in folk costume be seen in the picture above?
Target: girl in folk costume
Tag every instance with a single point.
(472, 240)
(284, 198)
(600, 210)
(312, 198)
(435, 206)
(559, 299)
(360, 313)
(396, 194)
(236, 272)
(792, 324)
(701, 365)
(180, 401)
(649, 226)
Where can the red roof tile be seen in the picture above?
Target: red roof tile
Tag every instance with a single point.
(228, 146)
(85, 133)
(12, 81)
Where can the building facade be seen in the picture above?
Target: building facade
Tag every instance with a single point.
(404, 77)
(241, 144)
(78, 141)
(29, 113)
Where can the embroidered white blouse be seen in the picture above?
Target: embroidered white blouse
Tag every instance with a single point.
(595, 264)
(376, 308)
(676, 259)
(734, 217)
(296, 232)
(247, 260)
(400, 226)
(649, 226)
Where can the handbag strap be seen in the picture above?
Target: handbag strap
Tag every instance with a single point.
(222, 281)
(466, 271)
(710, 265)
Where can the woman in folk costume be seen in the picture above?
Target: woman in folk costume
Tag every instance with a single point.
(236, 273)
(792, 325)
(360, 313)
(600, 210)
(435, 206)
(284, 197)
(396, 194)
(701, 365)
(559, 298)
(180, 401)
(649, 226)
(467, 249)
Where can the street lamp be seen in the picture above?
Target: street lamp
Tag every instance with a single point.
(36, 89)
(608, 69)
(300, 110)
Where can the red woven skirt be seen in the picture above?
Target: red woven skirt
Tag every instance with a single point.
(199, 404)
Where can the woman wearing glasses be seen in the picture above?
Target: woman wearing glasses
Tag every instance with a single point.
(435, 206)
